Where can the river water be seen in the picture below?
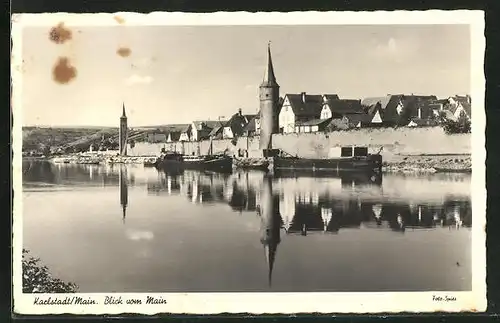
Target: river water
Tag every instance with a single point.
(126, 228)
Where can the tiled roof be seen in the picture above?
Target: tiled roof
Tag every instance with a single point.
(345, 106)
(200, 124)
(215, 131)
(237, 123)
(371, 101)
(251, 125)
(329, 97)
(467, 108)
(311, 108)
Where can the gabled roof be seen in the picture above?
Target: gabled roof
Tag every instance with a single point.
(186, 128)
(388, 102)
(200, 124)
(329, 97)
(345, 106)
(311, 108)
(251, 125)
(215, 131)
(371, 101)
(453, 108)
(467, 108)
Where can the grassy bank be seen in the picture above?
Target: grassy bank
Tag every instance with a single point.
(429, 163)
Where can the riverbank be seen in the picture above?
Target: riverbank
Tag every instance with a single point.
(445, 163)
(101, 159)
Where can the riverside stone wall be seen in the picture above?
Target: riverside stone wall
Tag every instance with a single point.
(401, 141)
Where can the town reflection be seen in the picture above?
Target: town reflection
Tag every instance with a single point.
(287, 204)
(306, 209)
(305, 204)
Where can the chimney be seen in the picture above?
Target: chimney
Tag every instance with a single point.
(239, 111)
(303, 97)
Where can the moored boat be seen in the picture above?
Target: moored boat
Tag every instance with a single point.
(350, 158)
(175, 161)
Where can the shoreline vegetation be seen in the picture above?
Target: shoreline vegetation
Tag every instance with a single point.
(38, 279)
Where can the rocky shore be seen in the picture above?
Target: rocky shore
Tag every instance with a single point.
(428, 164)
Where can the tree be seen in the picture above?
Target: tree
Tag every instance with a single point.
(461, 125)
(37, 278)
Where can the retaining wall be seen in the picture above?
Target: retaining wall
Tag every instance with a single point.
(401, 141)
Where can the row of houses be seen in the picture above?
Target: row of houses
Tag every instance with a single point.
(310, 113)
(299, 113)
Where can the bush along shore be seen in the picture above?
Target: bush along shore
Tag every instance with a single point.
(428, 164)
(38, 279)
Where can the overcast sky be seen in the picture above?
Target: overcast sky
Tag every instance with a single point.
(178, 74)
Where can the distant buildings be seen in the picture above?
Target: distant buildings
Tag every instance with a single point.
(309, 113)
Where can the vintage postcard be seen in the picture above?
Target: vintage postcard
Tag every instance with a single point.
(328, 162)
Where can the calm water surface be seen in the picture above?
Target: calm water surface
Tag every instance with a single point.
(134, 229)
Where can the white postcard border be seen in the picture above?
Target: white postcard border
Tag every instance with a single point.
(259, 303)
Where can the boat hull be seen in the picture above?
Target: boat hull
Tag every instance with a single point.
(219, 164)
(369, 163)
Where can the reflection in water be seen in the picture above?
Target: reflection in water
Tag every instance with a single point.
(303, 206)
(270, 224)
(123, 191)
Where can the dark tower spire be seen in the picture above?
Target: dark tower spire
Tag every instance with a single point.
(269, 98)
(123, 110)
(269, 77)
(123, 133)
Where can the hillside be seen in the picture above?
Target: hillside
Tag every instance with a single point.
(44, 139)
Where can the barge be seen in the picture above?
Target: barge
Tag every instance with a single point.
(177, 162)
(341, 159)
(173, 161)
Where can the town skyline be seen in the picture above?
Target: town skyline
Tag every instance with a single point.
(162, 86)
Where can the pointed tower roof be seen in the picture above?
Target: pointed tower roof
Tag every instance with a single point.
(123, 111)
(269, 78)
(270, 250)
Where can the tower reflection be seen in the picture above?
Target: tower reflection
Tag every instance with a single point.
(270, 224)
(123, 183)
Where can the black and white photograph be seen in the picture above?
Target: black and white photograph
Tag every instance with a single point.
(249, 162)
